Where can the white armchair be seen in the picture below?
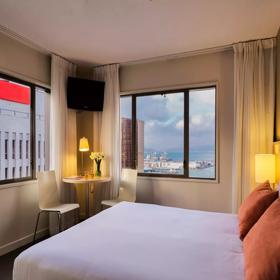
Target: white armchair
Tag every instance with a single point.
(127, 191)
(49, 198)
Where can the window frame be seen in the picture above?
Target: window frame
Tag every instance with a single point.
(32, 134)
(186, 132)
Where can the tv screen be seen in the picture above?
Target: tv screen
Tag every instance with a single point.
(85, 94)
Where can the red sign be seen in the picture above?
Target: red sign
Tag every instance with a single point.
(14, 92)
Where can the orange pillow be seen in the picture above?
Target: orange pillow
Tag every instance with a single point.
(262, 246)
(254, 206)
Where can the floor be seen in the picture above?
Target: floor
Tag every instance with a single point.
(7, 262)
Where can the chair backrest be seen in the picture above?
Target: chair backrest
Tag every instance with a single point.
(128, 185)
(48, 192)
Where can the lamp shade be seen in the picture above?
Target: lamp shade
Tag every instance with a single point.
(265, 168)
(84, 147)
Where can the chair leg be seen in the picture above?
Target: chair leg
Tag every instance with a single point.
(36, 226)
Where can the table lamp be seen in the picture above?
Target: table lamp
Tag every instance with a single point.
(83, 147)
(265, 168)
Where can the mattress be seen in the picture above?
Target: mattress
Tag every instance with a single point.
(140, 242)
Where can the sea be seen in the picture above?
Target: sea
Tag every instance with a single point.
(208, 173)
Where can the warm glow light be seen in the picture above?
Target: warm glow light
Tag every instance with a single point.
(84, 147)
(265, 168)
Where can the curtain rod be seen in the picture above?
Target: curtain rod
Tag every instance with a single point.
(252, 40)
(101, 65)
(179, 55)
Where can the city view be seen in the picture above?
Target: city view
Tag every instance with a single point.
(160, 133)
(172, 163)
(15, 130)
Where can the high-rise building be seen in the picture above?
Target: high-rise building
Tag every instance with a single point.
(126, 144)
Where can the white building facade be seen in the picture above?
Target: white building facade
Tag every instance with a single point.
(16, 137)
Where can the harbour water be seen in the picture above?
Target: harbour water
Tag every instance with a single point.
(201, 163)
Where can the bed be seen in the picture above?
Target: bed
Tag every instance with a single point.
(140, 242)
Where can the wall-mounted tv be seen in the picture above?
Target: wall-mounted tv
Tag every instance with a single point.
(85, 94)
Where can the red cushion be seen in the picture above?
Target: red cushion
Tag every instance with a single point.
(262, 246)
(254, 206)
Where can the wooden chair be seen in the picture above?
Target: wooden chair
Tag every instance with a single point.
(127, 190)
(49, 198)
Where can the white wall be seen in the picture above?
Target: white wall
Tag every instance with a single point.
(19, 203)
(214, 67)
(18, 211)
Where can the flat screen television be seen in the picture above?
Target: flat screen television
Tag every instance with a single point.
(85, 94)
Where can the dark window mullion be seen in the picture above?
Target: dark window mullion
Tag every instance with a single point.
(186, 133)
(33, 134)
(215, 127)
(134, 133)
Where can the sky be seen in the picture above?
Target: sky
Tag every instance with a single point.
(163, 117)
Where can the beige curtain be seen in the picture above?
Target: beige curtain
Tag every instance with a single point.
(106, 136)
(63, 142)
(254, 90)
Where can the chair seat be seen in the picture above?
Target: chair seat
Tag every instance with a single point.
(110, 202)
(62, 208)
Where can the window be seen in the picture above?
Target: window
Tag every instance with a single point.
(170, 133)
(27, 148)
(44, 149)
(14, 148)
(39, 149)
(20, 149)
(202, 133)
(42, 129)
(24, 115)
(6, 146)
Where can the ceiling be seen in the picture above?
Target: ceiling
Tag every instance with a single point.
(107, 31)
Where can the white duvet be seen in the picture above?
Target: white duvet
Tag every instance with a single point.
(139, 242)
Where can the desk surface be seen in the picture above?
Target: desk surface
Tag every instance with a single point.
(83, 180)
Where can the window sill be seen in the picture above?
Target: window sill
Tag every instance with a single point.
(17, 184)
(185, 180)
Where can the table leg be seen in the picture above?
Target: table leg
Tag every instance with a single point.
(92, 193)
(87, 199)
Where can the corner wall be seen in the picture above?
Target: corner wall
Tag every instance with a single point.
(84, 129)
(194, 70)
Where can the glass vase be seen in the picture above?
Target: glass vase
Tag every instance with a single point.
(98, 170)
